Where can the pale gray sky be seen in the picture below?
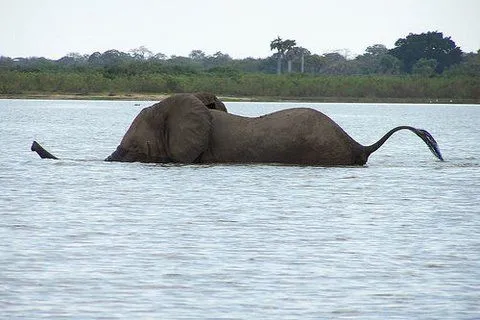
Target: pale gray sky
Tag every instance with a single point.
(244, 28)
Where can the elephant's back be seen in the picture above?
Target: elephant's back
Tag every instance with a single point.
(299, 135)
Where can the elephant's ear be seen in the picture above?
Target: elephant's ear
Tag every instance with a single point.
(210, 101)
(187, 131)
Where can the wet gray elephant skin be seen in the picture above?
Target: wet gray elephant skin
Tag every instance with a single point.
(182, 129)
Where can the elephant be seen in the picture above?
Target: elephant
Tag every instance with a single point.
(183, 129)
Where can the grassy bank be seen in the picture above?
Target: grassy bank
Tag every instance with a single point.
(158, 97)
(251, 86)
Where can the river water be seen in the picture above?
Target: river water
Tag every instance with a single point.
(81, 238)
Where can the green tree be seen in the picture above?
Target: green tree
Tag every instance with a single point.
(376, 60)
(376, 50)
(141, 53)
(298, 54)
(6, 63)
(282, 46)
(335, 63)
(389, 64)
(159, 56)
(197, 55)
(314, 63)
(218, 59)
(470, 66)
(425, 67)
(430, 45)
(110, 58)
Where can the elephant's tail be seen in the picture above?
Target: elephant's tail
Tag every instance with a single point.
(44, 154)
(423, 134)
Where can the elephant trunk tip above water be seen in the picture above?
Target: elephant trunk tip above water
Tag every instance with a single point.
(196, 128)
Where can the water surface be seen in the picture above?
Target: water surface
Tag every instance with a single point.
(82, 238)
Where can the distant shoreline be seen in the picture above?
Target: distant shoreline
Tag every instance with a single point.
(158, 97)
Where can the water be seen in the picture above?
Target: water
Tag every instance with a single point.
(82, 238)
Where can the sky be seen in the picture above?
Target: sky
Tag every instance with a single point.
(244, 28)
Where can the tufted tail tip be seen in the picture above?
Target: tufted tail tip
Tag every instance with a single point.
(431, 143)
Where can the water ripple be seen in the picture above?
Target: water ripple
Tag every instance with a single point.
(88, 239)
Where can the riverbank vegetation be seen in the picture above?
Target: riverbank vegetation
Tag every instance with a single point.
(427, 74)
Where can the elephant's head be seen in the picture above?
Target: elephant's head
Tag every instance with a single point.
(176, 129)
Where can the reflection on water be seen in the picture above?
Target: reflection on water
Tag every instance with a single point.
(82, 238)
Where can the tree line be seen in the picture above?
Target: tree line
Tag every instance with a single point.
(426, 60)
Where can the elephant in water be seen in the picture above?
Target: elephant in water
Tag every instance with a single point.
(187, 128)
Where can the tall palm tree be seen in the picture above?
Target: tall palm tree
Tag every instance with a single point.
(282, 46)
